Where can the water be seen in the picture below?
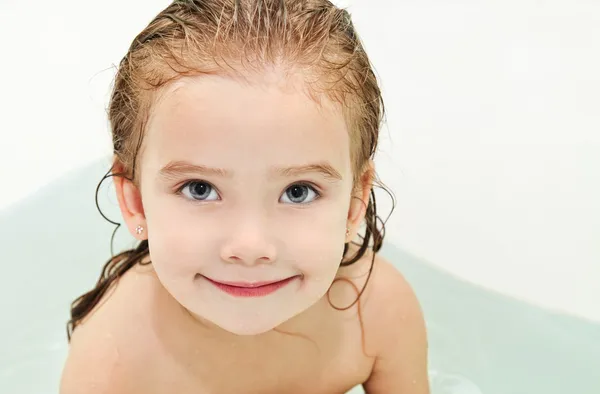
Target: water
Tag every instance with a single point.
(54, 243)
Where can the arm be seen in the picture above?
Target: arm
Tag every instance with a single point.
(401, 363)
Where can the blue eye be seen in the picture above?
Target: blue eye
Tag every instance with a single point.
(199, 191)
(299, 194)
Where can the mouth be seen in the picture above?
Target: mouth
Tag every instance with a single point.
(251, 289)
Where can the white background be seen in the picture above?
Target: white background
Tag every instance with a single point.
(492, 145)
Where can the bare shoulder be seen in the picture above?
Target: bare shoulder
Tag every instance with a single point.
(93, 365)
(103, 353)
(387, 295)
(392, 296)
(394, 324)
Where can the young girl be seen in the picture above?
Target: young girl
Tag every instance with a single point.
(243, 134)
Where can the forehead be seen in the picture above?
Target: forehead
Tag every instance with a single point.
(222, 120)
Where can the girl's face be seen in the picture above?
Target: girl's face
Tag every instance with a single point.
(245, 183)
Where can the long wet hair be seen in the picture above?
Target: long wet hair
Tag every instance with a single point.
(233, 37)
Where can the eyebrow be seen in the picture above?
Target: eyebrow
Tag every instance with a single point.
(176, 169)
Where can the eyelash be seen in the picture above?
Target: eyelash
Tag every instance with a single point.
(316, 189)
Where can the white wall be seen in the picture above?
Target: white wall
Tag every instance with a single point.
(491, 145)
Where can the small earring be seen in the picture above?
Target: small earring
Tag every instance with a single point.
(139, 230)
(347, 231)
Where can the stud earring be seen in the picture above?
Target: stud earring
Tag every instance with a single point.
(139, 230)
(347, 231)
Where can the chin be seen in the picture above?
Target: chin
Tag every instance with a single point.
(249, 330)
(249, 325)
(244, 328)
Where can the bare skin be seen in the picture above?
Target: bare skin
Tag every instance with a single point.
(140, 340)
(159, 331)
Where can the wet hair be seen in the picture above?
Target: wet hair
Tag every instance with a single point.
(236, 38)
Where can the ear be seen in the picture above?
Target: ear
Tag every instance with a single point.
(130, 203)
(360, 199)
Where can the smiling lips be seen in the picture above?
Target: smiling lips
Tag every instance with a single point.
(256, 289)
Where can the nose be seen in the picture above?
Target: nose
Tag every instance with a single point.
(249, 245)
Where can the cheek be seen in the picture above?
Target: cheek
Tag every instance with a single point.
(177, 237)
(320, 244)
